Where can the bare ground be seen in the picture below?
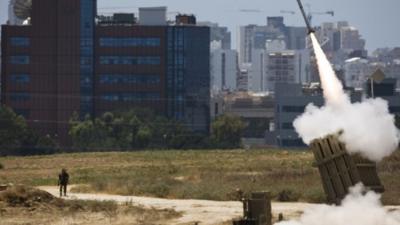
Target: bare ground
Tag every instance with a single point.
(201, 211)
(21, 205)
(44, 207)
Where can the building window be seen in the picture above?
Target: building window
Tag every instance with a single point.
(394, 109)
(87, 25)
(85, 60)
(130, 42)
(175, 72)
(23, 112)
(20, 41)
(287, 126)
(20, 78)
(129, 79)
(140, 96)
(19, 59)
(293, 109)
(131, 97)
(130, 60)
(20, 97)
(110, 97)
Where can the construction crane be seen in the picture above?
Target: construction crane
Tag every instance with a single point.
(311, 13)
(288, 12)
(250, 11)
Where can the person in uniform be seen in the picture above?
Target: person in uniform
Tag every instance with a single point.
(63, 179)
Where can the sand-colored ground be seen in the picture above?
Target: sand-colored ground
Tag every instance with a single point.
(21, 205)
(32, 206)
(192, 211)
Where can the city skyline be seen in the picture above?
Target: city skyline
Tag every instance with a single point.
(375, 20)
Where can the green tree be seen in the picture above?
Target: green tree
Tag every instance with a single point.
(119, 130)
(143, 137)
(89, 134)
(16, 138)
(13, 130)
(133, 129)
(227, 131)
(46, 144)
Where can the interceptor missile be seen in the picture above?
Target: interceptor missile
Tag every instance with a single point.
(310, 29)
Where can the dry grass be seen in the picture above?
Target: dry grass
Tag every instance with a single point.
(21, 205)
(189, 174)
(389, 172)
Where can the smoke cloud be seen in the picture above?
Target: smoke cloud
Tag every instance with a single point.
(356, 209)
(367, 127)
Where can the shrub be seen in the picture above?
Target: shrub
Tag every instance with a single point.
(25, 196)
(227, 131)
(1, 166)
(288, 196)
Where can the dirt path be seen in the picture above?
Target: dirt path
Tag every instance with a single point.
(201, 211)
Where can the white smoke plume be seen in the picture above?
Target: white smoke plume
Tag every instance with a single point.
(331, 85)
(368, 127)
(356, 209)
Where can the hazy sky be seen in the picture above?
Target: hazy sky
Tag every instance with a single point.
(378, 20)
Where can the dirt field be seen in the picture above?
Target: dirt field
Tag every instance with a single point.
(167, 182)
(208, 175)
(202, 211)
(21, 205)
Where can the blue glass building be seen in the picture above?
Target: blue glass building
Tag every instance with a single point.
(65, 62)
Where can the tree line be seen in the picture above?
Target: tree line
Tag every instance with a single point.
(17, 138)
(135, 129)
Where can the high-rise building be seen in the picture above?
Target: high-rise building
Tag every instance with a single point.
(224, 70)
(351, 39)
(64, 63)
(287, 66)
(257, 79)
(340, 36)
(255, 37)
(218, 34)
(330, 37)
(245, 43)
(296, 38)
(48, 66)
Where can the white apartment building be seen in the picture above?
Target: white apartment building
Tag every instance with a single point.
(357, 72)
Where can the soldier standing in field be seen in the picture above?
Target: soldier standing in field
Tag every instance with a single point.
(63, 179)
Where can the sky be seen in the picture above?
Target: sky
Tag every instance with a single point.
(377, 20)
